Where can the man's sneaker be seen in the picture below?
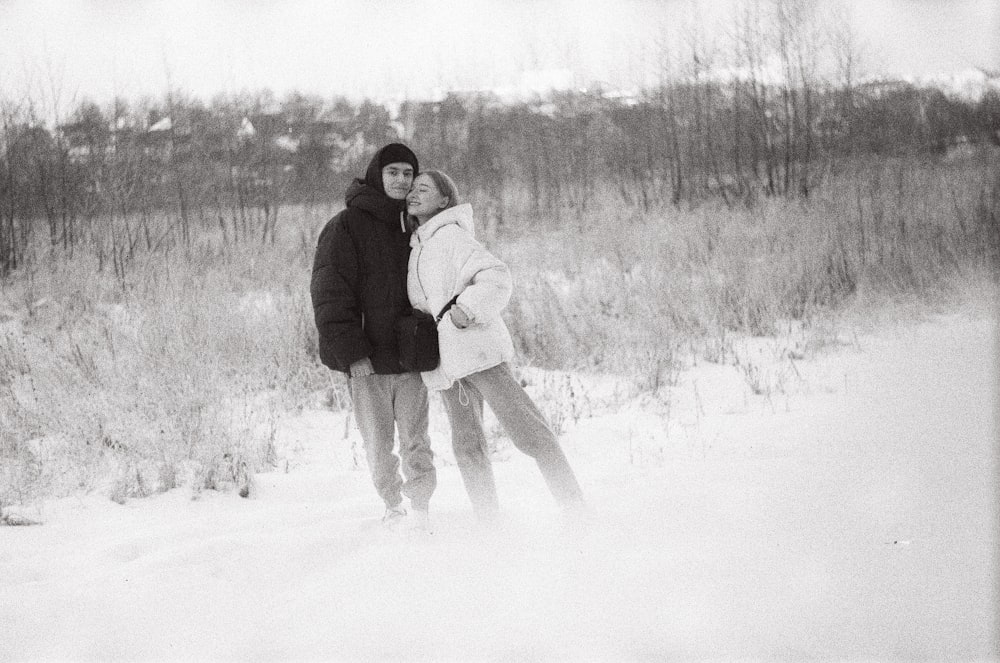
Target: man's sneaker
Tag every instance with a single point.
(394, 516)
(421, 522)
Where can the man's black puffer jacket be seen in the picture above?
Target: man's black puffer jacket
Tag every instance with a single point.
(359, 277)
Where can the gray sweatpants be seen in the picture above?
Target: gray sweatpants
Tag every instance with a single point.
(381, 404)
(520, 419)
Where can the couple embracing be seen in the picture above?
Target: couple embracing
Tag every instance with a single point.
(406, 241)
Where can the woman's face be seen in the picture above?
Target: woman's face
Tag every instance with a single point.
(424, 199)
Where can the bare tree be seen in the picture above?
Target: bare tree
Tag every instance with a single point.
(799, 43)
(846, 54)
(8, 192)
(752, 57)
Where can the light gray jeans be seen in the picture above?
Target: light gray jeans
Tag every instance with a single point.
(520, 419)
(381, 404)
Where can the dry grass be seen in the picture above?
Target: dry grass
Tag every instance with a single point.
(634, 290)
(174, 375)
(174, 368)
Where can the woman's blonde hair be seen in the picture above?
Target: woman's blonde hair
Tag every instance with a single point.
(445, 186)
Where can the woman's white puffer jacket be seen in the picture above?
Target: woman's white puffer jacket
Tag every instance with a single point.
(446, 260)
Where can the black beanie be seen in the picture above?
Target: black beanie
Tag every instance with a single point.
(397, 153)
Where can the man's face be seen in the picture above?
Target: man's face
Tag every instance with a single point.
(396, 180)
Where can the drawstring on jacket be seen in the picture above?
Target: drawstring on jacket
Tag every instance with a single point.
(463, 396)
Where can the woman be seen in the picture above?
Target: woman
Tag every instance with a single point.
(445, 261)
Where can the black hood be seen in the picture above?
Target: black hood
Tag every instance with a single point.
(369, 194)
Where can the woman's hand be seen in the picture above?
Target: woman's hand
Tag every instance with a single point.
(458, 317)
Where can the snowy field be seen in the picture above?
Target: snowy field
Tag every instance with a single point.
(837, 506)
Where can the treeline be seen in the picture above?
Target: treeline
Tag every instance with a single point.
(145, 174)
(688, 141)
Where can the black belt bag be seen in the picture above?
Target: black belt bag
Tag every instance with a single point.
(417, 336)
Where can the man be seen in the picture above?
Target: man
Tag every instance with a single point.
(358, 291)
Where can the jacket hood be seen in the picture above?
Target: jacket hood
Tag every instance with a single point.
(459, 215)
(393, 152)
(368, 193)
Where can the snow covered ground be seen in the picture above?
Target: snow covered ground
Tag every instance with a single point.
(842, 506)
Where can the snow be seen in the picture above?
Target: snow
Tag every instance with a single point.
(847, 511)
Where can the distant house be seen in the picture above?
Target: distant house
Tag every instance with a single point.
(163, 125)
(272, 130)
(90, 138)
(622, 97)
(162, 137)
(350, 150)
(85, 139)
(334, 135)
(879, 88)
(448, 117)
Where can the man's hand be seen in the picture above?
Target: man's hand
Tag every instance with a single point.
(459, 317)
(361, 368)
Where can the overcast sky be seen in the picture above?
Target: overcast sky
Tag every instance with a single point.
(407, 48)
